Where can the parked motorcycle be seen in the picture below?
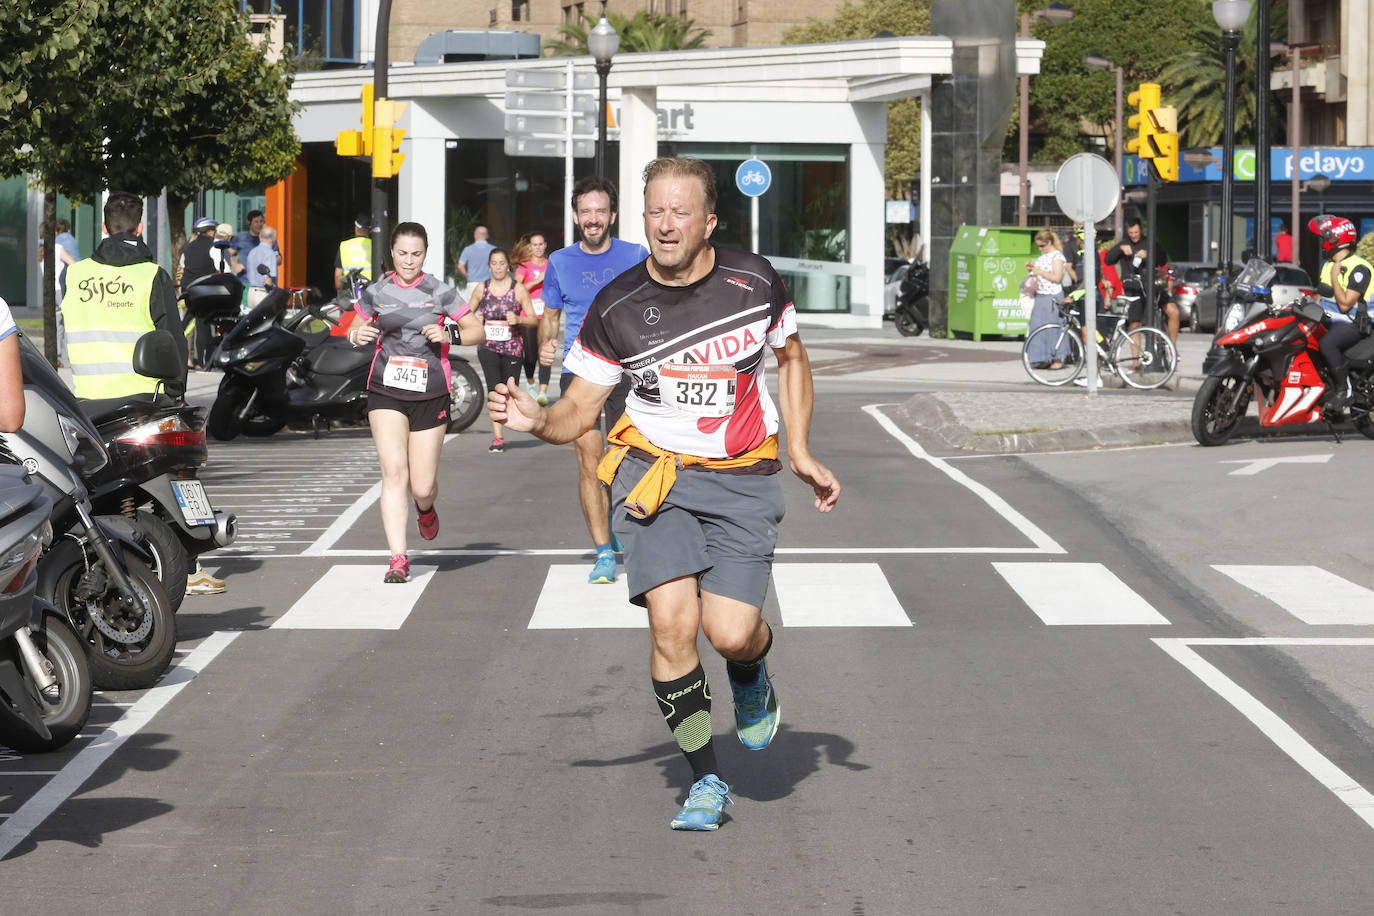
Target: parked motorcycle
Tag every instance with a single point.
(912, 312)
(155, 446)
(45, 683)
(1271, 355)
(94, 574)
(275, 374)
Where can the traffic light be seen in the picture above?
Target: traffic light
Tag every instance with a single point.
(358, 142)
(1164, 140)
(1144, 99)
(386, 138)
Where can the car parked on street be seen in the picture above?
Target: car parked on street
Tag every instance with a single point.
(1290, 282)
(1190, 278)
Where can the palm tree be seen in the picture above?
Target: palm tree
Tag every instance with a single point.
(1195, 84)
(641, 32)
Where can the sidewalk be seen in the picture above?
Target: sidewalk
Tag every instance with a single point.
(1020, 415)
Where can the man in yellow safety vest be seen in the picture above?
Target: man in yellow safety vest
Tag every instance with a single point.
(355, 252)
(113, 298)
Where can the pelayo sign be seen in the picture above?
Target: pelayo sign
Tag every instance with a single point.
(1336, 163)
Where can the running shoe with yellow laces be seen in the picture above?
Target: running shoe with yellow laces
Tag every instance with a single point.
(603, 570)
(756, 710)
(399, 571)
(705, 802)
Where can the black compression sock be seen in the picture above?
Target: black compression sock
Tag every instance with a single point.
(686, 705)
(748, 672)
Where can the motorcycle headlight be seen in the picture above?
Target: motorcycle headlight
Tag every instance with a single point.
(17, 563)
(87, 453)
(1233, 316)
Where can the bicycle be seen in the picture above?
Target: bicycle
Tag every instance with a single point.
(1142, 357)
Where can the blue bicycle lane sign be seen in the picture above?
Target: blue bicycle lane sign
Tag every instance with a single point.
(753, 177)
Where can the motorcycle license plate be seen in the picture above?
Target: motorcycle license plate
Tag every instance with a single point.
(195, 505)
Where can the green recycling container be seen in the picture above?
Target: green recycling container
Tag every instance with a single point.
(986, 267)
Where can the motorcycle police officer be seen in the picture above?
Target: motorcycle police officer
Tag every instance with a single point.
(1344, 285)
(113, 298)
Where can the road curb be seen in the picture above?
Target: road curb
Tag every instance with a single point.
(928, 414)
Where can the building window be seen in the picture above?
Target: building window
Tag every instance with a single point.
(326, 31)
(519, 9)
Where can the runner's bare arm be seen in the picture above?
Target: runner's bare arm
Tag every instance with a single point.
(795, 398)
(527, 317)
(470, 329)
(548, 334)
(570, 416)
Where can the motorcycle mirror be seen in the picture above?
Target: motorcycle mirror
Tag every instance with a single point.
(262, 269)
(156, 356)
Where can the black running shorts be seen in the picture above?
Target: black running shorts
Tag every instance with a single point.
(425, 414)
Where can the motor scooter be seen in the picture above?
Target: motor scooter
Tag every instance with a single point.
(45, 683)
(94, 574)
(275, 373)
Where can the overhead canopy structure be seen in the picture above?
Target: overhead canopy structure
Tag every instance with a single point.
(819, 93)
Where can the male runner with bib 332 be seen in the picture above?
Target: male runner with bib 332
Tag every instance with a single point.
(694, 459)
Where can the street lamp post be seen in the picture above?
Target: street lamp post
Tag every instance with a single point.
(1262, 55)
(1055, 13)
(1098, 62)
(1230, 16)
(603, 42)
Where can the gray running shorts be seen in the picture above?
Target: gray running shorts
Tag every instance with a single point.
(721, 528)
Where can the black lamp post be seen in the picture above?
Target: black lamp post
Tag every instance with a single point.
(1263, 52)
(603, 42)
(1231, 16)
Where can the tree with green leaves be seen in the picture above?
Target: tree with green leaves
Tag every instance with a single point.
(1195, 85)
(1140, 38)
(644, 31)
(174, 94)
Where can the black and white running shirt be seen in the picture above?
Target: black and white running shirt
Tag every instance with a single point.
(695, 354)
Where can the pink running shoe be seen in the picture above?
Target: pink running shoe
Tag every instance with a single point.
(399, 571)
(497, 445)
(429, 522)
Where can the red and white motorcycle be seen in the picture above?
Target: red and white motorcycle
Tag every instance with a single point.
(1271, 355)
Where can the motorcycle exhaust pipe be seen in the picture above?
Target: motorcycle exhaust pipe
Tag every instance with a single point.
(226, 528)
(39, 669)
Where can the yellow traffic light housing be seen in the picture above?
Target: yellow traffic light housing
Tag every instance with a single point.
(1164, 142)
(1144, 99)
(386, 138)
(358, 142)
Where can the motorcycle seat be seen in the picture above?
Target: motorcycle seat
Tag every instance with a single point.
(1362, 352)
(337, 356)
(100, 410)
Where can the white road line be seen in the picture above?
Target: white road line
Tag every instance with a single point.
(836, 595)
(47, 799)
(569, 602)
(1040, 539)
(1309, 593)
(1351, 793)
(339, 527)
(1077, 594)
(1252, 466)
(356, 598)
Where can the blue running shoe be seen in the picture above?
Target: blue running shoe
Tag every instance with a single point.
(603, 571)
(756, 711)
(707, 798)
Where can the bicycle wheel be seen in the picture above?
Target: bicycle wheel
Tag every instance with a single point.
(1144, 357)
(1053, 338)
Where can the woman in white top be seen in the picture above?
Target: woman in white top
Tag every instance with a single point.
(11, 379)
(1048, 273)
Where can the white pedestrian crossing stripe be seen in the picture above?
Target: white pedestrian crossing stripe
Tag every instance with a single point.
(836, 595)
(356, 598)
(809, 595)
(1309, 593)
(1077, 594)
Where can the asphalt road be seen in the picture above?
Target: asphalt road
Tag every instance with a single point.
(1083, 682)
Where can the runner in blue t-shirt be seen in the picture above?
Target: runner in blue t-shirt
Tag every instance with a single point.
(575, 275)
